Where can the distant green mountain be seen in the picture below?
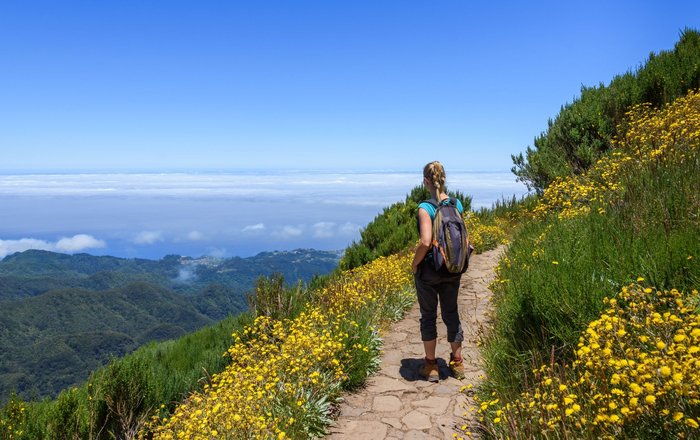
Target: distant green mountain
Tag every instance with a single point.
(62, 316)
(34, 272)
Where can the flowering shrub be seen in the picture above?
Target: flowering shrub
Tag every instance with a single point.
(667, 135)
(636, 372)
(483, 236)
(11, 417)
(285, 374)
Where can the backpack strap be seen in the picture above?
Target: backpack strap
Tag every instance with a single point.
(450, 201)
(445, 202)
(430, 202)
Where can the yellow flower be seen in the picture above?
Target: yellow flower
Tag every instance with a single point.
(650, 399)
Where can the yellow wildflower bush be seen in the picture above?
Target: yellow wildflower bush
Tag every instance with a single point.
(482, 236)
(650, 136)
(637, 370)
(372, 284)
(11, 416)
(285, 373)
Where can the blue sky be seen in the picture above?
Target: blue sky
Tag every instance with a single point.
(156, 85)
(144, 128)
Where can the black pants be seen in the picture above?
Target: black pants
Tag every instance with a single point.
(433, 287)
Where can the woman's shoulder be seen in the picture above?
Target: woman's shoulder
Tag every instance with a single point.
(428, 206)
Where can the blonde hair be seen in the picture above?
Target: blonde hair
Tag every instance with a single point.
(435, 173)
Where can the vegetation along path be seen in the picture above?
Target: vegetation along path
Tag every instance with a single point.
(397, 403)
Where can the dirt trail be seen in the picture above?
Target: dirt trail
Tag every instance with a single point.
(397, 403)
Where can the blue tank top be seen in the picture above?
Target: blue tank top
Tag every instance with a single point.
(430, 209)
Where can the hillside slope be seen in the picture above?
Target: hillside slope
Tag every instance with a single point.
(62, 316)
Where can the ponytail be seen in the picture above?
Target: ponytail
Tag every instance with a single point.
(435, 173)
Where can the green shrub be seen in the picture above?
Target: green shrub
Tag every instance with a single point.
(582, 131)
(275, 299)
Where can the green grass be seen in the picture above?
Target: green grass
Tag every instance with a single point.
(549, 298)
(155, 374)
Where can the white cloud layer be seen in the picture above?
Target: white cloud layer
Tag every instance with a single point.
(289, 232)
(324, 229)
(348, 228)
(76, 243)
(195, 236)
(148, 237)
(79, 242)
(150, 215)
(254, 228)
(345, 188)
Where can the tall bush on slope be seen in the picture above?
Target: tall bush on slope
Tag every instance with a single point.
(582, 131)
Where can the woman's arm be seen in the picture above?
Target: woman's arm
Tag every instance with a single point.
(425, 225)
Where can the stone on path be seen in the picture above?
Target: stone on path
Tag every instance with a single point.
(363, 430)
(383, 384)
(386, 404)
(432, 405)
(417, 420)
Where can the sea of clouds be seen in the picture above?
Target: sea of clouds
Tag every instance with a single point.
(221, 214)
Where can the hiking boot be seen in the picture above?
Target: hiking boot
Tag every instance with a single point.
(429, 370)
(457, 367)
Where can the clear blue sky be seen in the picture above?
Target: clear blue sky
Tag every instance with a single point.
(160, 85)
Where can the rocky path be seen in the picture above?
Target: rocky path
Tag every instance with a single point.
(397, 403)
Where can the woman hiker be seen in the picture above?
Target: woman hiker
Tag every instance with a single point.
(433, 287)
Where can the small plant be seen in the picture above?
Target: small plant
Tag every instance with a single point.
(12, 419)
(275, 299)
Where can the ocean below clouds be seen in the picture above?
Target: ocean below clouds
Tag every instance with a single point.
(241, 213)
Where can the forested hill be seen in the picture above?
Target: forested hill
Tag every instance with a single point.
(62, 316)
(34, 272)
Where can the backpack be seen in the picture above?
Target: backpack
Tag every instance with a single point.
(451, 249)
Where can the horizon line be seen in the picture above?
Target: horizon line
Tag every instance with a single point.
(291, 170)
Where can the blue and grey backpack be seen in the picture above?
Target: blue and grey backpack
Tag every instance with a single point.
(451, 249)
